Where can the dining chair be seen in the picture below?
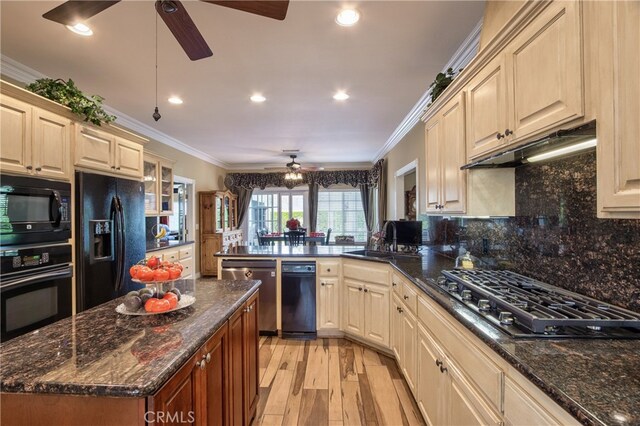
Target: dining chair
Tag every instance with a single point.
(296, 238)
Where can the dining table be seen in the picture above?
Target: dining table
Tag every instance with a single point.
(283, 237)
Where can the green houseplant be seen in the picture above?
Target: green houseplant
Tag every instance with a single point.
(442, 81)
(67, 94)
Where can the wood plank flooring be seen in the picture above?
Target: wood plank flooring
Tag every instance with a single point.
(333, 382)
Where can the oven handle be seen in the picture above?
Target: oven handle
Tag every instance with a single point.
(55, 208)
(67, 272)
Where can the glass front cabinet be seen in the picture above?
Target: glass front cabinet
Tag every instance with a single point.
(158, 185)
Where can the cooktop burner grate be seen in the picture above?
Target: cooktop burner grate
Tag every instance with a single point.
(514, 301)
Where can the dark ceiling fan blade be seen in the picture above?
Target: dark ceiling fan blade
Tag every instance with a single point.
(276, 9)
(72, 12)
(183, 28)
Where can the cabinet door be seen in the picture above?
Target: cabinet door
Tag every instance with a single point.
(432, 148)
(396, 330)
(619, 117)
(94, 149)
(546, 63)
(432, 384)
(208, 262)
(353, 313)
(376, 314)
(251, 337)
(487, 110)
(150, 178)
(166, 189)
(520, 408)
(465, 405)
(409, 348)
(452, 151)
(15, 136)
(236, 366)
(51, 151)
(128, 158)
(177, 399)
(215, 393)
(328, 301)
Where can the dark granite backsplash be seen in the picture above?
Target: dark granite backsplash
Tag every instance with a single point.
(555, 236)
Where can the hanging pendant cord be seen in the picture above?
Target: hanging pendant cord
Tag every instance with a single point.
(156, 60)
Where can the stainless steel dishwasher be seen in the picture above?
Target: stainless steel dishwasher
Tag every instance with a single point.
(298, 300)
(265, 271)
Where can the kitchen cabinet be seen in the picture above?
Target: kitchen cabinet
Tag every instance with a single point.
(198, 391)
(405, 340)
(445, 151)
(243, 335)
(158, 185)
(34, 141)
(218, 227)
(328, 296)
(182, 254)
(618, 71)
(534, 85)
(366, 301)
(102, 151)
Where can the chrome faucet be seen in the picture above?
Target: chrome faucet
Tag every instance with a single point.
(394, 246)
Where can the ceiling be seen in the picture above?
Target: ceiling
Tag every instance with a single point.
(385, 63)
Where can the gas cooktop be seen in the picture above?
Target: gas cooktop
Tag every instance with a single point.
(524, 307)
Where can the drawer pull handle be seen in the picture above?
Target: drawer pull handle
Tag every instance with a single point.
(438, 363)
(443, 369)
(394, 284)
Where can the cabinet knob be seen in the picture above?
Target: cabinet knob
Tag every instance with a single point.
(29, 167)
(200, 365)
(366, 290)
(438, 363)
(322, 284)
(508, 132)
(400, 310)
(394, 284)
(113, 167)
(208, 357)
(38, 169)
(359, 288)
(405, 297)
(499, 136)
(328, 269)
(443, 369)
(117, 168)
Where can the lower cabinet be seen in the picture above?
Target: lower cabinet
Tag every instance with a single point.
(366, 311)
(219, 384)
(405, 341)
(328, 304)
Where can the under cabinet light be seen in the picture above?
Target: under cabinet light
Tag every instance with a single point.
(563, 151)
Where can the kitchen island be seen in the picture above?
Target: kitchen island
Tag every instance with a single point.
(101, 367)
(595, 380)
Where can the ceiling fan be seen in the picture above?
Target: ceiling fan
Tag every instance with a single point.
(173, 14)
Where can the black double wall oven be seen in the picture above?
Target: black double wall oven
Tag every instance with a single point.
(35, 255)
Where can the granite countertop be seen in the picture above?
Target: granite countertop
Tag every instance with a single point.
(102, 353)
(280, 250)
(597, 381)
(161, 245)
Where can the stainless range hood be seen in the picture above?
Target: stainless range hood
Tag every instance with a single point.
(560, 143)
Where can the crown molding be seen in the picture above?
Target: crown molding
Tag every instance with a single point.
(22, 73)
(278, 167)
(460, 59)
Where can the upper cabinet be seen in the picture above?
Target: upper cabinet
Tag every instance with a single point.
(98, 150)
(618, 73)
(158, 185)
(532, 86)
(34, 141)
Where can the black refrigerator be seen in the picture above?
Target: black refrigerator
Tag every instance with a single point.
(110, 237)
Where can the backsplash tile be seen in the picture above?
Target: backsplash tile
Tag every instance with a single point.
(555, 236)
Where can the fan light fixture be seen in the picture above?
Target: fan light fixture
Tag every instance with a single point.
(294, 169)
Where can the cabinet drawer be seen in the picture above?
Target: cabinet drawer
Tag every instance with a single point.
(170, 255)
(185, 252)
(366, 271)
(328, 269)
(410, 296)
(478, 367)
(188, 268)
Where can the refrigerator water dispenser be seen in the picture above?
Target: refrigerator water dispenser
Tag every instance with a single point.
(102, 237)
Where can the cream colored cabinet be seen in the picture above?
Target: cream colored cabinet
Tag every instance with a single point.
(618, 150)
(465, 405)
(396, 329)
(34, 141)
(353, 312)
(445, 151)
(431, 383)
(376, 314)
(328, 303)
(182, 254)
(530, 88)
(158, 185)
(487, 109)
(546, 71)
(102, 151)
(409, 348)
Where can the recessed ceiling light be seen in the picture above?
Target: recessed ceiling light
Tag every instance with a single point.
(175, 100)
(347, 17)
(341, 96)
(257, 98)
(80, 29)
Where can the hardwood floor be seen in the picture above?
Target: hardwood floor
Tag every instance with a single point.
(330, 382)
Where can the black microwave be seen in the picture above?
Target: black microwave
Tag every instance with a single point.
(34, 210)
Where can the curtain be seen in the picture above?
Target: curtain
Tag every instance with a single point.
(244, 201)
(366, 193)
(382, 193)
(313, 206)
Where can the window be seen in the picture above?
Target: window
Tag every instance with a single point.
(270, 211)
(342, 212)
